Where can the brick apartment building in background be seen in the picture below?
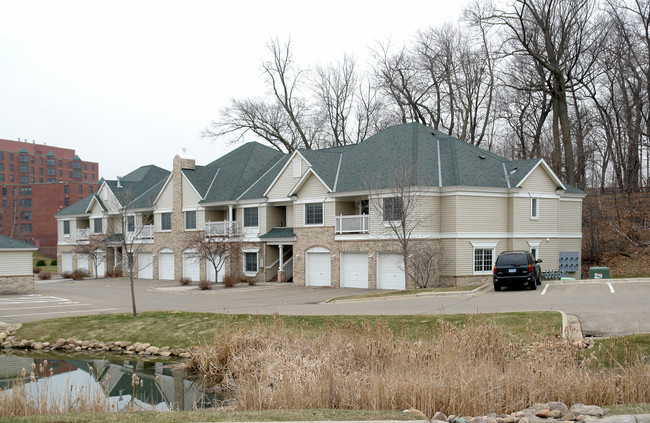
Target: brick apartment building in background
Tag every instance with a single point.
(36, 181)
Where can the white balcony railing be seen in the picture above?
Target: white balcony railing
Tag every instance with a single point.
(139, 233)
(83, 234)
(146, 232)
(224, 228)
(357, 224)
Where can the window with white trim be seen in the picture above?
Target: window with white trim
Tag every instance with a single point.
(66, 227)
(314, 214)
(97, 226)
(534, 248)
(534, 208)
(190, 219)
(392, 209)
(483, 260)
(130, 223)
(251, 217)
(483, 257)
(165, 221)
(250, 262)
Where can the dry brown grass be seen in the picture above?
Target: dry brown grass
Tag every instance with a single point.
(26, 396)
(470, 370)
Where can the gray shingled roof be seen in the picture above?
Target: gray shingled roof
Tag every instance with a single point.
(244, 173)
(14, 244)
(141, 187)
(77, 208)
(279, 233)
(434, 158)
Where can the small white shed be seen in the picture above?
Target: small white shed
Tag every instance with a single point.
(16, 266)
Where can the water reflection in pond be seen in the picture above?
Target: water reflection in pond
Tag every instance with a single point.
(126, 384)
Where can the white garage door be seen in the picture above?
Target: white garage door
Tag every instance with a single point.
(66, 262)
(82, 263)
(354, 270)
(145, 265)
(319, 269)
(166, 265)
(101, 264)
(390, 272)
(209, 267)
(191, 267)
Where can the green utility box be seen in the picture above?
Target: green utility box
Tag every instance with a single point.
(599, 273)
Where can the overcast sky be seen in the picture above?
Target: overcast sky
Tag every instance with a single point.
(130, 83)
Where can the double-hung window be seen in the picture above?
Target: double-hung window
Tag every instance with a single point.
(392, 209)
(166, 221)
(66, 227)
(250, 262)
(314, 214)
(190, 220)
(130, 223)
(97, 225)
(251, 217)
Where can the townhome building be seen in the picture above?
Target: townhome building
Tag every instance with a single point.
(332, 217)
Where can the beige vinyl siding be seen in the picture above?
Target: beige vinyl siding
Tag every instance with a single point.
(428, 214)
(482, 214)
(465, 254)
(190, 197)
(261, 220)
(274, 215)
(448, 219)
(548, 215)
(346, 208)
(312, 188)
(449, 257)
(539, 181)
(200, 219)
(570, 216)
(328, 213)
(547, 251)
(299, 215)
(290, 216)
(286, 181)
(166, 199)
(16, 263)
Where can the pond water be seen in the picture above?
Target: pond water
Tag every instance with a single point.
(126, 384)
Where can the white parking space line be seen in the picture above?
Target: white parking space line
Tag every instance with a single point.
(611, 288)
(38, 305)
(544, 290)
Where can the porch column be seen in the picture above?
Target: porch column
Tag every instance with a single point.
(229, 218)
(281, 268)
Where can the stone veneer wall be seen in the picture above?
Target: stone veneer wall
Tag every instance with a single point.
(17, 284)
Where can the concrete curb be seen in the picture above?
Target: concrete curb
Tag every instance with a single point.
(571, 328)
(474, 291)
(593, 281)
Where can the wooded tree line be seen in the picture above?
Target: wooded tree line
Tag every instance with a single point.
(566, 80)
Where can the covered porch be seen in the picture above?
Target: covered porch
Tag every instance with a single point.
(279, 254)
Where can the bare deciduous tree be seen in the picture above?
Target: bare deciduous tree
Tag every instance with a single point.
(213, 249)
(95, 249)
(399, 202)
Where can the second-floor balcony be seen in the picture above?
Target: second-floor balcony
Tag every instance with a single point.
(83, 234)
(224, 228)
(356, 224)
(144, 232)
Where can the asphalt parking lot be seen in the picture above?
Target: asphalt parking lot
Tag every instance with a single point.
(607, 307)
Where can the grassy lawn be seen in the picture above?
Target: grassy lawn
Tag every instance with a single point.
(405, 293)
(182, 329)
(220, 416)
(38, 256)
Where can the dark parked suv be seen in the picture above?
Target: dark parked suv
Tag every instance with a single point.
(517, 268)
